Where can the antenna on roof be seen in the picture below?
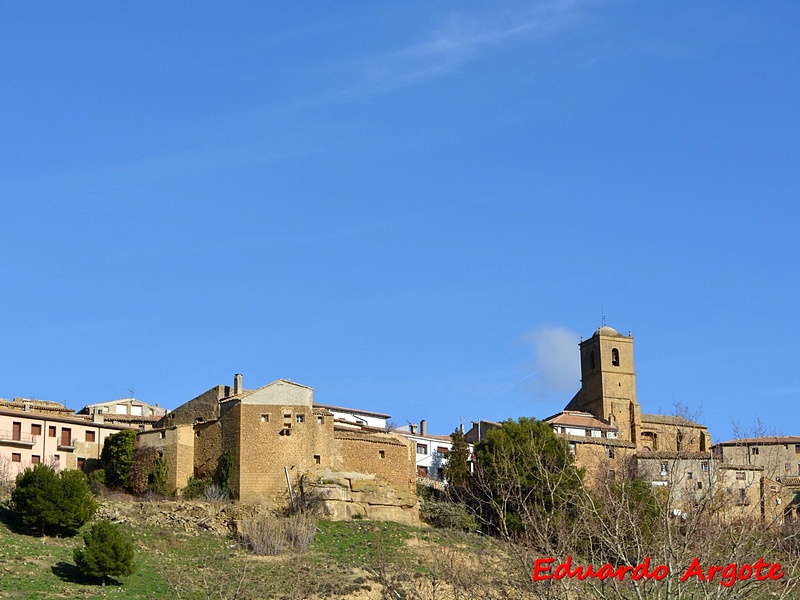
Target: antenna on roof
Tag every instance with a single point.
(132, 393)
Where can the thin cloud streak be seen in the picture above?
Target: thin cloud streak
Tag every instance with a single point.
(448, 49)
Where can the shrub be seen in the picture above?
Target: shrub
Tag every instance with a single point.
(141, 470)
(448, 515)
(214, 492)
(97, 481)
(50, 502)
(196, 488)
(117, 457)
(269, 535)
(160, 477)
(107, 551)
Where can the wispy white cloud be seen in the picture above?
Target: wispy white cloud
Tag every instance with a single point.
(557, 358)
(462, 39)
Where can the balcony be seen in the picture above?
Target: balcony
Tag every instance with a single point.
(68, 444)
(24, 440)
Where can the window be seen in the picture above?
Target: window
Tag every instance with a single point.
(615, 357)
(36, 430)
(588, 433)
(300, 418)
(422, 448)
(287, 416)
(320, 420)
(265, 418)
(739, 476)
(36, 459)
(16, 457)
(51, 431)
(612, 475)
(704, 466)
(317, 459)
(136, 411)
(689, 475)
(797, 449)
(610, 453)
(90, 436)
(56, 457)
(422, 471)
(16, 431)
(162, 435)
(754, 451)
(742, 498)
(699, 485)
(382, 454)
(664, 467)
(122, 409)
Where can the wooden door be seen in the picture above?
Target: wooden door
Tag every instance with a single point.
(66, 436)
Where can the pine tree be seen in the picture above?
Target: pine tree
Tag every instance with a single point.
(108, 551)
(50, 502)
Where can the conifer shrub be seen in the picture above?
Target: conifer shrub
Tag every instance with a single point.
(107, 552)
(53, 503)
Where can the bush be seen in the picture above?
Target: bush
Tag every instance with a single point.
(269, 535)
(107, 551)
(196, 488)
(448, 515)
(50, 502)
(141, 470)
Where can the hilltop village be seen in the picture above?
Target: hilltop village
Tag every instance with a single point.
(280, 440)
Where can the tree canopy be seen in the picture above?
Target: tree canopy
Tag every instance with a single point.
(523, 471)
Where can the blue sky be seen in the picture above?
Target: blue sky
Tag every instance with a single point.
(414, 208)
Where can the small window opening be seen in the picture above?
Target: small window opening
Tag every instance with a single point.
(36, 459)
(320, 420)
(382, 454)
(610, 453)
(300, 418)
(699, 485)
(704, 467)
(51, 431)
(615, 357)
(689, 475)
(163, 434)
(265, 418)
(317, 459)
(16, 457)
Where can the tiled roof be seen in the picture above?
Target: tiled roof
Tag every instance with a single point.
(597, 441)
(582, 420)
(669, 420)
(764, 441)
(341, 434)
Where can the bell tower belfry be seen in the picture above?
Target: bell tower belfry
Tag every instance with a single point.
(608, 382)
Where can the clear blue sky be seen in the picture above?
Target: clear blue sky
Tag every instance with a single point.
(416, 208)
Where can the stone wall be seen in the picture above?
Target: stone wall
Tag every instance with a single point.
(343, 496)
(388, 457)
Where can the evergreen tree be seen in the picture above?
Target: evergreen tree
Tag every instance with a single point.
(118, 456)
(50, 502)
(107, 551)
(524, 472)
(456, 471)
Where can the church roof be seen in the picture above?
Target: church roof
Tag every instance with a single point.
(606, 330)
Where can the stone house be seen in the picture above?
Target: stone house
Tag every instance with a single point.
(279, 440)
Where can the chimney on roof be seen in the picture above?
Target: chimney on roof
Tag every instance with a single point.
(412, 427)
(423, 428)
(237, 384)
(461, 428)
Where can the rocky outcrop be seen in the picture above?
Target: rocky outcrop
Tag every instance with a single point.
(344, 496)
